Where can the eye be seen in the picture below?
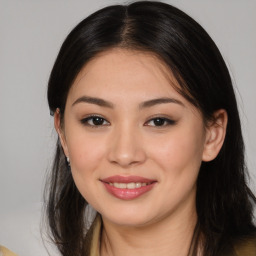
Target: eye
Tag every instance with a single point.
(160, 121)
(94, 121)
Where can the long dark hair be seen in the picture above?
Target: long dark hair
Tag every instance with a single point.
(224, 202)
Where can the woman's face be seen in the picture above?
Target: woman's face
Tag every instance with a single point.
(135, 144)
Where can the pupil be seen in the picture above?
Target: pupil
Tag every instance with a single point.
(159, 121)
(98, 121)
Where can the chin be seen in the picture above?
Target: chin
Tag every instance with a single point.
(128, 218)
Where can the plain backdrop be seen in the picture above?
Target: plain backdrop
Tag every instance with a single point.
(31, 32)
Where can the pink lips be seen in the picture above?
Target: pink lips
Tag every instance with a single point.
(127, 193)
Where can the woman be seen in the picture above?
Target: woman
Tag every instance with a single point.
(149, 137)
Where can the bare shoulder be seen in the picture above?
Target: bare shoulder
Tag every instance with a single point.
(5, 252)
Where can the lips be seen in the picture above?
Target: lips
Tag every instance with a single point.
(128, 187)
(127, 179)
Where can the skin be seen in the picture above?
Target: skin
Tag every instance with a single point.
(128, 142)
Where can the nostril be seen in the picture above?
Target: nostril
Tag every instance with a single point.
(126, 160)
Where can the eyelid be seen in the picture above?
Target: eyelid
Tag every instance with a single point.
(169, 121)
(85, 120)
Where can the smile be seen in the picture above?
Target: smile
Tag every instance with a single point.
(131, 185)
(128, 187)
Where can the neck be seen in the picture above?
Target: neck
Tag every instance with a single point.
(170, 236)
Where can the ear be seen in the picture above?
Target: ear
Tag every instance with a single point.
(215, 135)
(59, 130)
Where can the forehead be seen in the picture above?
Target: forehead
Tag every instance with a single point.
(118, 72)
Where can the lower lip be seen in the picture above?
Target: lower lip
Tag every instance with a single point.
(128, 194)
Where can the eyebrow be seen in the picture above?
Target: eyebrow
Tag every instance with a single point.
(93, 100)
(153, 102)
(146, 104)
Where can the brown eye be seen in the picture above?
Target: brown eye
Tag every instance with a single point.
(160, 121)
(94, 121)
(97, 121)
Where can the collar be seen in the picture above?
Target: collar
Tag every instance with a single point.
(96, 235)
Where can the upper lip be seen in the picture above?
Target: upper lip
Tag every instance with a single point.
(126, 179)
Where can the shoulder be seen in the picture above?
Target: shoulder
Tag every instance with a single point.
(5, 252)
(246, 247)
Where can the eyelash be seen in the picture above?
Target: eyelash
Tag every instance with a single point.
(163, 121)
(92, 118)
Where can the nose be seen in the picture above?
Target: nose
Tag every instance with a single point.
(126, 147)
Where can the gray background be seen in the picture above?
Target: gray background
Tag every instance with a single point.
(31, 33)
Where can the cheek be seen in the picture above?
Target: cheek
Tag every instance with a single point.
(179, 153)
(179, 158)
(86, 152)
(86, 157)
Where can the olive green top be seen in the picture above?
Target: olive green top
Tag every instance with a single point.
(5, 252)
(245, 248)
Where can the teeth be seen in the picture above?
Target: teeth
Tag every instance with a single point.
(131, 185)
(138, 185)
(119, 185)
